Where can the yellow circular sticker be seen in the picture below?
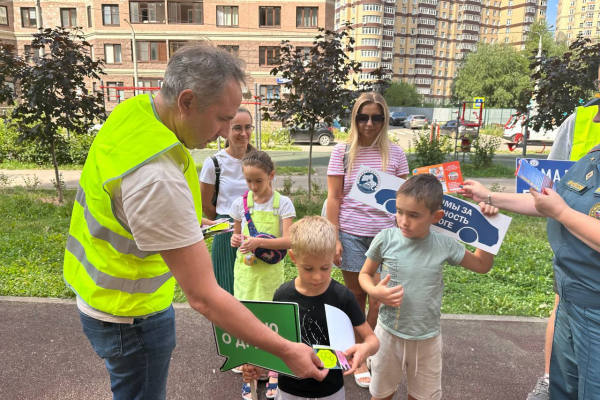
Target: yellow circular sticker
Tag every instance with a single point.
(595, 211)
(329, 359)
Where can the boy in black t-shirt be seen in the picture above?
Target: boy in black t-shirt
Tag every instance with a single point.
(313, 247)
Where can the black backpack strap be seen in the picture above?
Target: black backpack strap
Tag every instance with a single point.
(217, 180)
(345, 160)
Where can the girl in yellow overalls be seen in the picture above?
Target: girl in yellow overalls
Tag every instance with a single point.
(270, 213)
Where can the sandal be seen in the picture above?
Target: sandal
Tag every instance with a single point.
(246, 392)
(362, 375)
(273, 387)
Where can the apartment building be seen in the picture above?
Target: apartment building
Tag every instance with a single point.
(577, 17)
(252, 29)
(423, 41)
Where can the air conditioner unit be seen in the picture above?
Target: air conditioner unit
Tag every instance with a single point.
(285, 90)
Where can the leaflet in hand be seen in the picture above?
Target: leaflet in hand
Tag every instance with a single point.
(533, 177)
(332, 359)
(448, 174)
(221, 226)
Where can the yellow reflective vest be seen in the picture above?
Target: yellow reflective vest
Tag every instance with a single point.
(586, 133)
(103, 264)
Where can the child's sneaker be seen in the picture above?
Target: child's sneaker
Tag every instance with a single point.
(541, 390)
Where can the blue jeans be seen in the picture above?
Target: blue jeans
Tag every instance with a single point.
(575, 360)
(137, 355)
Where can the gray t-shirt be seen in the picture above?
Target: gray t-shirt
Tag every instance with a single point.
(417, 265)
(563, 142)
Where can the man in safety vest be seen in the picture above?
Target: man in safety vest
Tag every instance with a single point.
(135, 226)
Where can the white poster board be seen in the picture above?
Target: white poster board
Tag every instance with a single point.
(462, 220)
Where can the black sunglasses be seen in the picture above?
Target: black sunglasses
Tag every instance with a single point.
(377, 119)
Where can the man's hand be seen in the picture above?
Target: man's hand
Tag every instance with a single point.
(303, 362)
(390, 296)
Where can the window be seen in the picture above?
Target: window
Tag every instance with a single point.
(371, 18)
(112, 53)
(268, 55)
(147, 12)
(27, 53)
(176, 45)
(149, 83)
(185, 13)
(227, 16)
(28, 17)
(110, 15)
(269, 16)
(306, 17)
(92, 54)
(152, 51)
(68, 17)
(89, 16)
(269, 91)
(113, 94)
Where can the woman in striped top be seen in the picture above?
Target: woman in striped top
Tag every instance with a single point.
(368, 145)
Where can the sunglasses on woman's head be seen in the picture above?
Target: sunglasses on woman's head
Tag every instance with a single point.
(364, 118)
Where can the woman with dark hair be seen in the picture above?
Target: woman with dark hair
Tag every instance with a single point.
(221, 182)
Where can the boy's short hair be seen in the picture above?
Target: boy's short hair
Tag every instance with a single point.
(313, 235)
(425, 188)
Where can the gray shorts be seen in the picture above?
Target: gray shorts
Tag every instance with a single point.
(353, 253)
(339, 395)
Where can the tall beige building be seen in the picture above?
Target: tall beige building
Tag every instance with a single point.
(253, 29)
(575, 17)
(422, 41)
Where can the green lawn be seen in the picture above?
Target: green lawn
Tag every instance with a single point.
(34, 231)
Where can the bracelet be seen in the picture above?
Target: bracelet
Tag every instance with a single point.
(489, 198)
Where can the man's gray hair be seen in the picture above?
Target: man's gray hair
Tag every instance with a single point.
(203, 68)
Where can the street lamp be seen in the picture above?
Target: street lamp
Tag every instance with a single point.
(134, 51)
(532, 105)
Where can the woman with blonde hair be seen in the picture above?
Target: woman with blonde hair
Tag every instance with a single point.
(369, 145)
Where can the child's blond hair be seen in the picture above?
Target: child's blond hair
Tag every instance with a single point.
(313, 235)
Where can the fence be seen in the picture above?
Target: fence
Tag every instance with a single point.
(490, 115)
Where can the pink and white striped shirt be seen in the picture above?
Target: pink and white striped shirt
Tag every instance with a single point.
(357, 218)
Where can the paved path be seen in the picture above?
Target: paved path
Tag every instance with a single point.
(45, 356)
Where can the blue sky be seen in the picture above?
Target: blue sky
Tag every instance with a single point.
(551, 10)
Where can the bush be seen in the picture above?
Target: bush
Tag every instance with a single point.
(485, 148)
(493, 130)
(429, 152)
(69, 150)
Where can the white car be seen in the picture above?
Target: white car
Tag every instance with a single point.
(513, 132)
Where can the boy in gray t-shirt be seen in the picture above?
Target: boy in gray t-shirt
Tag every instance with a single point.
(412, 259)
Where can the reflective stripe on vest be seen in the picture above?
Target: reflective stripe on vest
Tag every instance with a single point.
(103, 263)
(586, 133)
(120, 243)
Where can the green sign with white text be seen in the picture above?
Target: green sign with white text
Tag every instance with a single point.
(283, 318)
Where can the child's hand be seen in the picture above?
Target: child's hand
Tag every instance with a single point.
(250, 372)
(390, 296)
(356, 356)
(250, 244)
(236, 240)
(487, 209)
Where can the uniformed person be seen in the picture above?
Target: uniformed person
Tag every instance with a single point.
(573, 212)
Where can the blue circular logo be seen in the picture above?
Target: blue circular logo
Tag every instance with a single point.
(368, 182)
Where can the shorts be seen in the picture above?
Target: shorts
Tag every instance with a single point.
(422, 360)
(353, 253)
(339, 395)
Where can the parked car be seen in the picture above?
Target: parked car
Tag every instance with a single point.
(323, 135)
(451, 128)
(415, 121)
(513, 132)
(397, 118)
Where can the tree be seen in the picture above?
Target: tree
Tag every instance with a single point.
(53, 95)
(317, 81)
(549, 46)
(402, 94)
(497, 72)
(564, 82)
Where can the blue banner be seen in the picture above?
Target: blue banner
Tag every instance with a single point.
(553, 169)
